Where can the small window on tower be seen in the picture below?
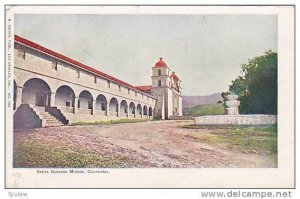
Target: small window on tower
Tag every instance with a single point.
(135, 93)
(108, 84)
(78, 73)
(159, 82)
(128, 91)
(159, 72)
(95, 79)
(119, 88)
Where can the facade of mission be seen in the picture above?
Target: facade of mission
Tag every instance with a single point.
(51, 89)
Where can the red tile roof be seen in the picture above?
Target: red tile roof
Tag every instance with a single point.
(160, 63)
(174, 76)
(67, 59)
(144, 88)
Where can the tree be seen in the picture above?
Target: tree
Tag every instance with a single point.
(257, 87)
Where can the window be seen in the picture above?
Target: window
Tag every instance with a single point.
(135, 93)
(142, 96)
(68, 104)
(159, 82)
(78, 73)
(54, 65)
(128, 91)
(119, 88)
(159, 72)
(108, 84)
(147, 97)
(95, 79)
(21, 53)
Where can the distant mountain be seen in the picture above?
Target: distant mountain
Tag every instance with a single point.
(191, 101)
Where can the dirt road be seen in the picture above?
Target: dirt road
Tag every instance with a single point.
(147, 144)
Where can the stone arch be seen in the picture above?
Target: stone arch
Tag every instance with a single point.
(123, 107)
(113, 107)
(145, 110)
(131, 108)
(150, 111)
(139, 109)
(101, 103)
(36, 92)
(75, 88)
(65, 96)
(85, 100)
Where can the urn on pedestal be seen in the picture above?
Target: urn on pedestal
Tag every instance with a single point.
(232, 103)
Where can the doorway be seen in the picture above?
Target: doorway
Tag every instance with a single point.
(41, 99)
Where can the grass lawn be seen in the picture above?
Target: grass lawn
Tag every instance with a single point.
(206, 109)
(31, 154)
(110, 122)
(247, 139)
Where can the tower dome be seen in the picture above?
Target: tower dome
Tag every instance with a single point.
(160, 63)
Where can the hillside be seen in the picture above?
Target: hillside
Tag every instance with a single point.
(206, 109)
(191, 101)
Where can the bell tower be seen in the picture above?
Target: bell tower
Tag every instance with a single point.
(160, 85)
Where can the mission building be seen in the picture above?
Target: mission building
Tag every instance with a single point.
(51, 89)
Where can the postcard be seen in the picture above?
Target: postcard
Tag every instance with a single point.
(150, 96)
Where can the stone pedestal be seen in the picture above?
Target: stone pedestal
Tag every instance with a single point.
(232, 111)
(232, 104)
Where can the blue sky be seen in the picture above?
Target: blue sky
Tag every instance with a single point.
(206, 51)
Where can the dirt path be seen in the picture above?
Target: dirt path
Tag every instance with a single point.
(148, 144)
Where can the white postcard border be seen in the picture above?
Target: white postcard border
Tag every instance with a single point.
(281, 177)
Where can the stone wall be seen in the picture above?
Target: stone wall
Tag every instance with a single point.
(24, 117)
(181, 118)
(74, 118)
(236, 119)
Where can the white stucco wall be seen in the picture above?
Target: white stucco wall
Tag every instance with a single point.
(180, 105)
(42, 65)
(39, 65)
(169, 102)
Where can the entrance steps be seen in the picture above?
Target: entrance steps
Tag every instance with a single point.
(47, 119)
(30, 116)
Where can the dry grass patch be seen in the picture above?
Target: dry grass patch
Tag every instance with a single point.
(247, 139)
(32, 154)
